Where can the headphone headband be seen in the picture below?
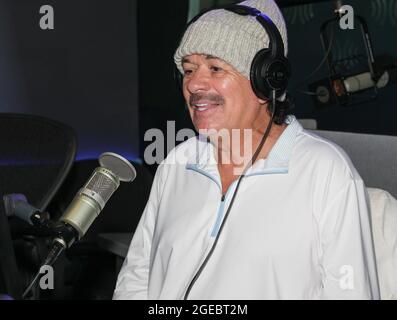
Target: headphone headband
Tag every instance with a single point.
(276, 45)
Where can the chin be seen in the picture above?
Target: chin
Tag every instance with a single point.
(201, 124)
(209, 130)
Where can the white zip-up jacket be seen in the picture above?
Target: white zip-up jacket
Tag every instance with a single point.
(299, 227)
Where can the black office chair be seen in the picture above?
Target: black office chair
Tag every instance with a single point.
(36, 155)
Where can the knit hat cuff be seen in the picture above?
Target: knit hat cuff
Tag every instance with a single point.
(225, 42)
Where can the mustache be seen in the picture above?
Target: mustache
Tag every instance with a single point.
(212, 98)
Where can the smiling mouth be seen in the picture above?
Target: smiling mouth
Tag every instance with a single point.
(204, 106)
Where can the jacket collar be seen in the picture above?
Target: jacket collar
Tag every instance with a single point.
(277, 161)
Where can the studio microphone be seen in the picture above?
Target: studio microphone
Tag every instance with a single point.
(87, 204)
(337, 89)
(92, 197)
(364, 81)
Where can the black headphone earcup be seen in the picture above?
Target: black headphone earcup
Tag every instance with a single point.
(268, 74)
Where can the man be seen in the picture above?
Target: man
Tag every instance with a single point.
(288, 222)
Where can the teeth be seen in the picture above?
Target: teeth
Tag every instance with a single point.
(202, 106)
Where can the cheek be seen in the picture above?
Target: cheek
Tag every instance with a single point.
(229, 90)
(237, 85)
(186, 96)
(185, 93)
(237, 94)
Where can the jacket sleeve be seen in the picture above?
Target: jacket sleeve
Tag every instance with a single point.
(132, 281)
(348, 258)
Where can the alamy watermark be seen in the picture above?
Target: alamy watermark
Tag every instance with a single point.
(238, 140)
(346, 281)
(47, 278)
(346, 21)
(47, 20)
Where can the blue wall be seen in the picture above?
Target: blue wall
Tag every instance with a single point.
(83, 73)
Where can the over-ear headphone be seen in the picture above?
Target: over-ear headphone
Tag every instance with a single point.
(270, 69)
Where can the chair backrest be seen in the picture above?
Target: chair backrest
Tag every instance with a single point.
(36, 155)
(309, 124)
(374, 156)
(384, 229)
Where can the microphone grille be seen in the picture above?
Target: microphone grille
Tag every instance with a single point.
(102, 184)
(119, 166)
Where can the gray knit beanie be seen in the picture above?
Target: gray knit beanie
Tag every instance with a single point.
(231, 37)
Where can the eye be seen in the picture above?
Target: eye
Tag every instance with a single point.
(216, 68)
(187, 72)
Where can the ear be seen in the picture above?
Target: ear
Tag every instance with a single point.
(262, 102)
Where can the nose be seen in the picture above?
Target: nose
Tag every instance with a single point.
(198, 81)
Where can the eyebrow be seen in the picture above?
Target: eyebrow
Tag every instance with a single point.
(207, 57)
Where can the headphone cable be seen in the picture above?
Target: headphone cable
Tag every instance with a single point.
(253, 159)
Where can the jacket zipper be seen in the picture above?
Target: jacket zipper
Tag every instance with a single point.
(219, 216)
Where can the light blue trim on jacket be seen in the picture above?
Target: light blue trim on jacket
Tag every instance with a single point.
(219, 217)
(205, 173)
(277, 161)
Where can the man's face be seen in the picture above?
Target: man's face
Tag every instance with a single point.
(218, 96)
